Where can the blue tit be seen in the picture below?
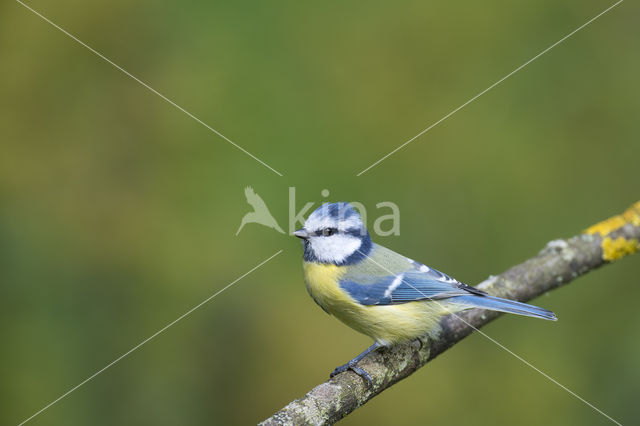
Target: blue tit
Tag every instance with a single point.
(379, 292)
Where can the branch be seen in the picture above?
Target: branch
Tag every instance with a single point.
(559, 263)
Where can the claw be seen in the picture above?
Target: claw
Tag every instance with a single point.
(360, 372)
(338, 370)
(353, 367)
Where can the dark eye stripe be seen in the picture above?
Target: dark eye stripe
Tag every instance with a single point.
(356, 232)
(331, 231)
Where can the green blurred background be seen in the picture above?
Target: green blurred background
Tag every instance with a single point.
(118, 212)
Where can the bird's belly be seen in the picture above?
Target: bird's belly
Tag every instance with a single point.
(386, 324)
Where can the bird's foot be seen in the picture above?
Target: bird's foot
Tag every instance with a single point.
(353, 366)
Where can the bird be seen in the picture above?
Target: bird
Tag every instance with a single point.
(260, 213)
(378, 292)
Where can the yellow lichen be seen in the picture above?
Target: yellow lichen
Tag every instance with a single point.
(618, 248)
(604, 228)
(632, 215)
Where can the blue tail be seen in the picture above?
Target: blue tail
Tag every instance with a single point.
(504, 305)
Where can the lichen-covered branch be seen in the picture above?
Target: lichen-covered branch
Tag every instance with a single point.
(560, 262)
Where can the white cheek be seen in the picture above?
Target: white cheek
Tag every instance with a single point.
(335, 248)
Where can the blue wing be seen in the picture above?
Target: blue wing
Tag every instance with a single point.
(387, 278)
(417, 282)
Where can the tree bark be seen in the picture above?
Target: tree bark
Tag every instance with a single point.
(559, 263)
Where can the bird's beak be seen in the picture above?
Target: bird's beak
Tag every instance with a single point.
(301, 233)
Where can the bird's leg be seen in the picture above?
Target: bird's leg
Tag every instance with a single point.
(352, 365)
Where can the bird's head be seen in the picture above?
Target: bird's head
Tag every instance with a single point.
(334, 234)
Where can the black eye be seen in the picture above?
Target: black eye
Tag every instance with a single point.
(328, 231)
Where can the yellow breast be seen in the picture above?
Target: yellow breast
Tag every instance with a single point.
(322, 283)
(386, 324)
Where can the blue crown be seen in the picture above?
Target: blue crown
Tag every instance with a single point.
(339, 210)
